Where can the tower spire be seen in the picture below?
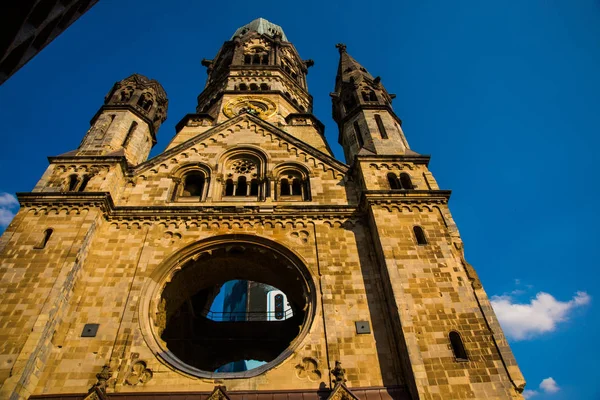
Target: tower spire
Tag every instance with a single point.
(363, 111)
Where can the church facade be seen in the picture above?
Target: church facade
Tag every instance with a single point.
(108, 268)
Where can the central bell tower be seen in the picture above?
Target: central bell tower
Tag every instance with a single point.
(259, 72)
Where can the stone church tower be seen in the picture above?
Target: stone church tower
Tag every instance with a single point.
(110, 270)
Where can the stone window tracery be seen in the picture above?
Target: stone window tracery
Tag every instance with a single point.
(292, 184)
(256, 56)
(243, 177)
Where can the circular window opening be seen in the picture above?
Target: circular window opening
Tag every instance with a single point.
(233, 308)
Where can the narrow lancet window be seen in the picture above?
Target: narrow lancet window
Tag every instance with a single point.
(284, 187)
(129, 135)
(420, 235)
(84, 183)
(359, 137)
(73, 181)
(380, 126)
(229, 187)
(458, 347)
(45, 238)
(254, 187)
(393, 181)
(405, 181)
(296, 187)
(242, 187)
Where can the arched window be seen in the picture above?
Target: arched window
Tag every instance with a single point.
(265, 59)
(247, 59)
(193, 185)
(365, 96)
(84, 183)
(380, 126)
(243, 86)
(284, 187)
(73, 181)
(292, 183)
(254, 187)
(458, 348)
(145, 101)
(393, 181)
(296, 187)
(405, 181)
(125, 94)
(420, 235)
(256, 59)
(45, 238)
(229, 187)
(264, 86)
(241, 188)
(372, 96)
(253, 87)
(246, 169)
(359, 137)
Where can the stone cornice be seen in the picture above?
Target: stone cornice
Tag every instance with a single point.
(90, 160)
(206, 211)
(414, 158)
(370, 197)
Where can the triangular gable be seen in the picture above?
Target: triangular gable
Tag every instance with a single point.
(219, 393)
(341, 392)
(317, 154)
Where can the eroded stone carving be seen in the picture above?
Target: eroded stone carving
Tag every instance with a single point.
(338, 373)
(309, 369)
(138, 374)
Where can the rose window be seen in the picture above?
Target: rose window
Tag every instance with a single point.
(243, 166)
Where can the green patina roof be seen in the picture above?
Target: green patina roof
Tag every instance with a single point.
(261, 26)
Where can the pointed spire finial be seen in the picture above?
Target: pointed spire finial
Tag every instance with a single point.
(341, 47)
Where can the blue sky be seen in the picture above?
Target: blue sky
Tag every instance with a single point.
(503, 95)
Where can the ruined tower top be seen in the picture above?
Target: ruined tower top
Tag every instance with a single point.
(262, 26)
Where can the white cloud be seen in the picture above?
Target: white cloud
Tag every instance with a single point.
(549, 385)
(7, 202)
(540, 315)
(5, 217)
(530, 393)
